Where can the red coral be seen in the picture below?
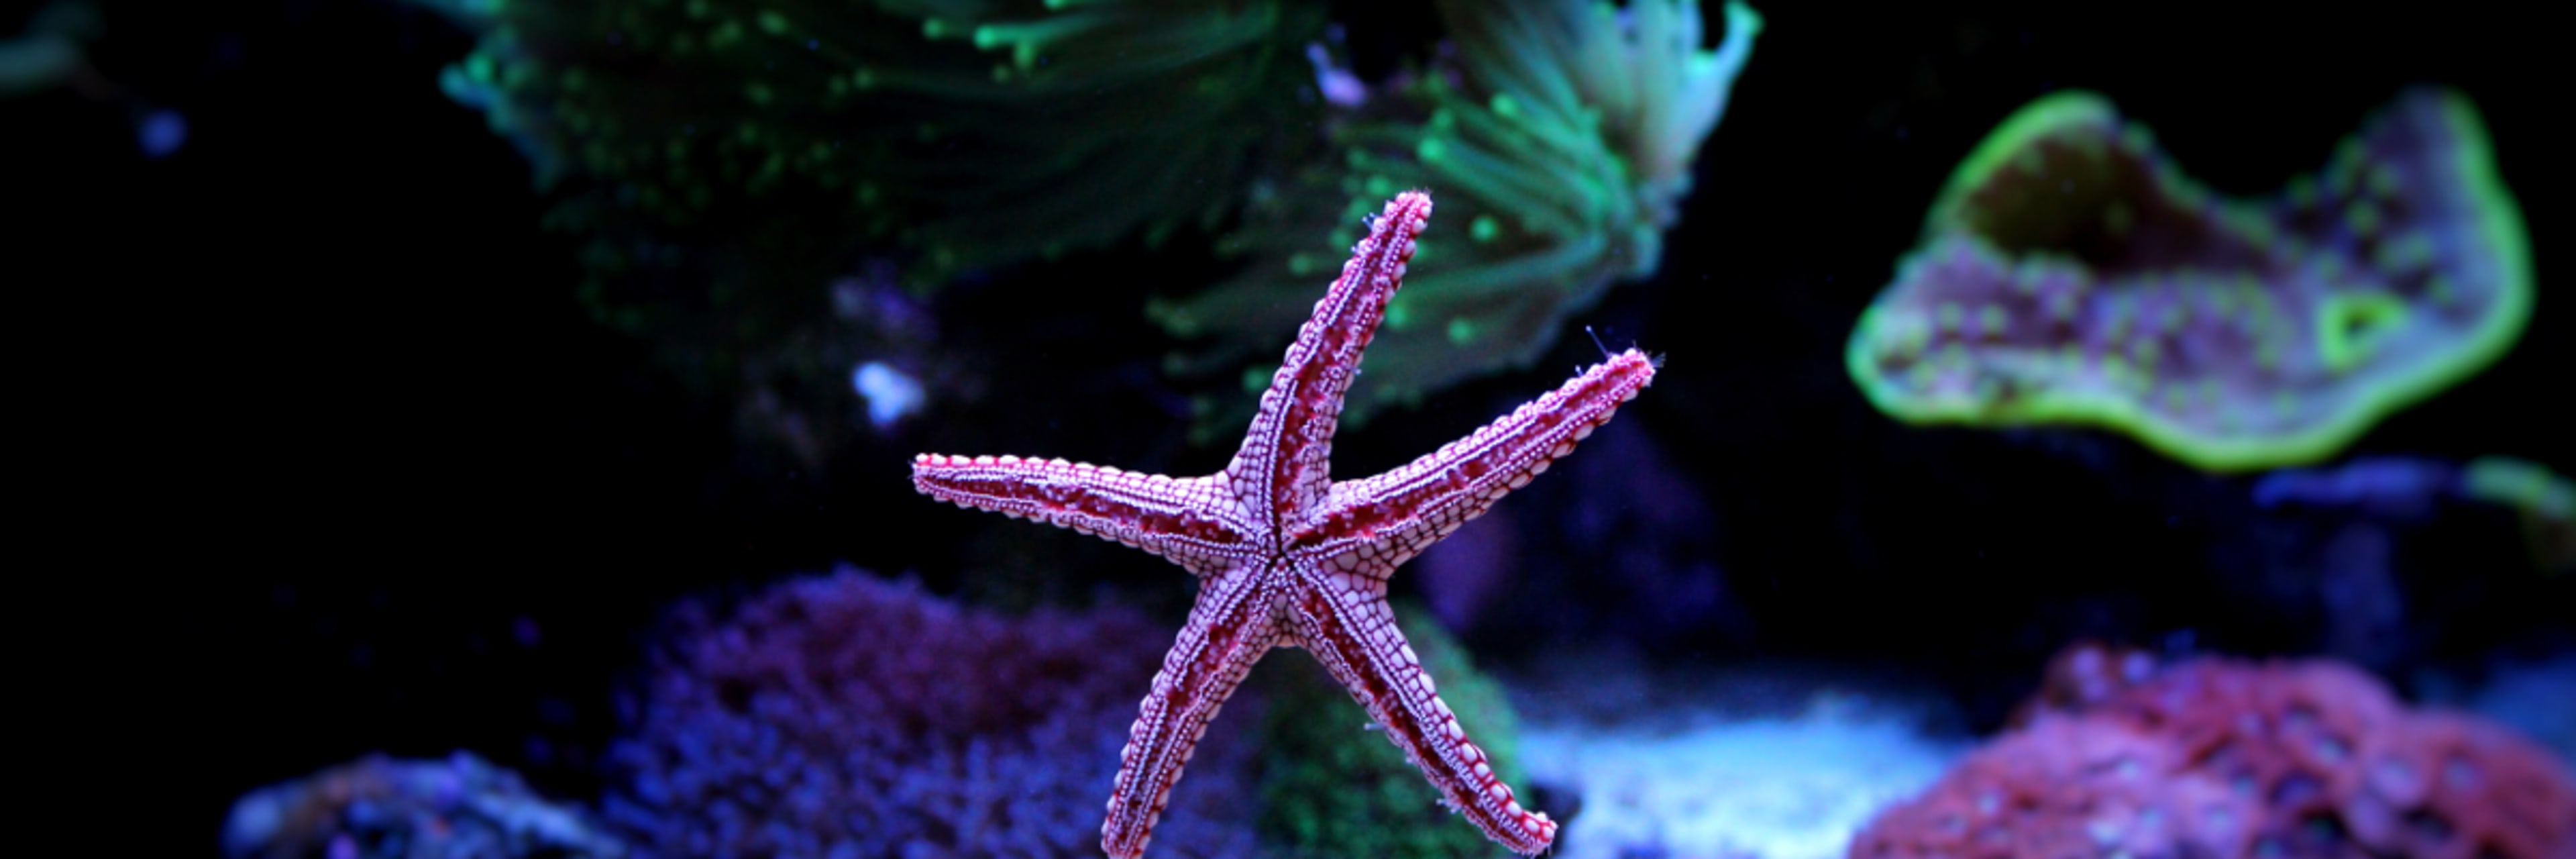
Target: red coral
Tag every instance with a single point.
(2226, 758)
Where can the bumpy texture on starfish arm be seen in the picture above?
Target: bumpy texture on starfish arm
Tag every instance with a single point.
(1287, 557)
(2071, 274)
(1325, 788)
(1179, 519)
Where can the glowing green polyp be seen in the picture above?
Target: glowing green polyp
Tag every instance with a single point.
(2111, 290)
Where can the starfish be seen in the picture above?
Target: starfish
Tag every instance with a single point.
(1288, 557)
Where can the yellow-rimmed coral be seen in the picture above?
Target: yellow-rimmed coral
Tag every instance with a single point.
(2070, 273)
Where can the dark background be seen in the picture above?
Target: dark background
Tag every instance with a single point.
(333, 462)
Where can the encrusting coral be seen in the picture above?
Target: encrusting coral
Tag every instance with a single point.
(2225, 758)
(2071, 274)
(1561, 133)
(846, 715)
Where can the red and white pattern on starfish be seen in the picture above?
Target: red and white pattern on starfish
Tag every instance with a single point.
(1288, 558)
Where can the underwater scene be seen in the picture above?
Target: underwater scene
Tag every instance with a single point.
(1606, 429)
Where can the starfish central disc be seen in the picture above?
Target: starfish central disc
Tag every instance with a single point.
(1288, 557)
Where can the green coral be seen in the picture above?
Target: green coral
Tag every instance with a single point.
(727, 157)
(1559, 137)
(1331, 787)
(2070, 273)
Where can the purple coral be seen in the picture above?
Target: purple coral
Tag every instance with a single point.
(847, 716)
(2223, 758)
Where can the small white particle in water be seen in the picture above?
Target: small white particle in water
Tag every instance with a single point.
(891, 395)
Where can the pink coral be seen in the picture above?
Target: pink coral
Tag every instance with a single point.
(2227, 758)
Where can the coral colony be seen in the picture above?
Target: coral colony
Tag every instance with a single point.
(1288, 557)
(2070, 273)
(1561, 134)
(849, 715)
(975, 133)
(722, 161)
(2225, 758)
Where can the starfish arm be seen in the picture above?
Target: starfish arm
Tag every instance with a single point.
(1349, 628)
(1182, 520)
(1285, 456)
(1229, 629)
(1370, 526)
